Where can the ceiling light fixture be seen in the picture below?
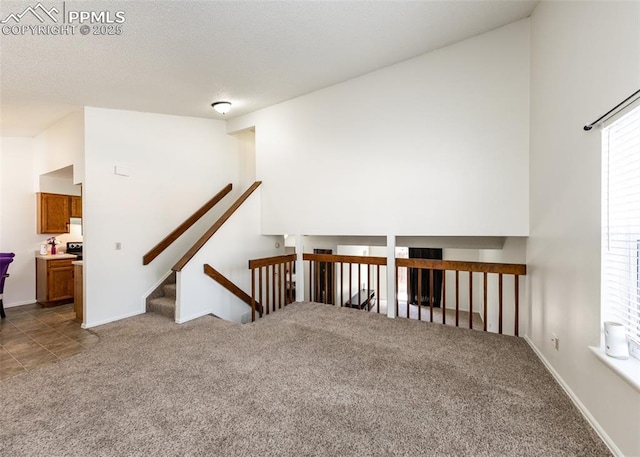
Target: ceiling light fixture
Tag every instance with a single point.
(222, 107)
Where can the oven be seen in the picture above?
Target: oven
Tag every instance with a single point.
(75, 248)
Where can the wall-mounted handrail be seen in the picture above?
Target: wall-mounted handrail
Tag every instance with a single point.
(174, 235)
(214, 228)
(231, 287)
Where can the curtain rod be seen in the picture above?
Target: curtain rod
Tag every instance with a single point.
(625, 102)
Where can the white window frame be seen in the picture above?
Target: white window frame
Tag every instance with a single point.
(620, 270)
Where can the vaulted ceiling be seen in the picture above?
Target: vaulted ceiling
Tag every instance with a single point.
(177, 57)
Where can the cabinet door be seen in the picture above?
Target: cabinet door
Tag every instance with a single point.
(53, 213)
(76, 206)
(60, 282)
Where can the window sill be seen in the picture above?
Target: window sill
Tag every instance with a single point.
(628, 369)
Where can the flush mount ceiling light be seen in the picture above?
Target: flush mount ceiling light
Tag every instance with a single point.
(222, 107)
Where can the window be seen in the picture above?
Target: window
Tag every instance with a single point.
(621, 224)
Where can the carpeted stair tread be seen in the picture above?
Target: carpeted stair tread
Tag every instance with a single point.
(169, 290)
(163, 305)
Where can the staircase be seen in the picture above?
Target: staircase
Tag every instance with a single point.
(163, 299)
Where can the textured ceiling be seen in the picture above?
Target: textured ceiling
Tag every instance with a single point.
(177, 57)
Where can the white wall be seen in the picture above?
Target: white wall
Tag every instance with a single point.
(18, 219)
(175, 165)
(229, 252)
(442, 134)
(62, 145)
(55, 185)
(584, 60)
(246, 158)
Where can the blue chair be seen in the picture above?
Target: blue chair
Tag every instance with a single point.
(5, 259)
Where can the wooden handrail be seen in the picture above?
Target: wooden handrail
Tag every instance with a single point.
(364, 260)
(432, 265)
(480, 267)
(230, 286)
(215, 227)
(268, 261)
(171, 237)
(278, 288)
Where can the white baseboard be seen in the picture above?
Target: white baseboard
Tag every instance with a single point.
(193, 316)
(112, 319)
(19, 303)
(576, 401)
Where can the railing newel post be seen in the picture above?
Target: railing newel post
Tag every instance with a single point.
(396, 295)
(359, 282)
(516, 278)
(253, 295)
(378, 289)
(470, 299)
(500, 303)
(420, 295)
(457, 298)
(485, 300)
(335, 289)
(341, 284)
(260, 290)
(444, 297)
(431, 295)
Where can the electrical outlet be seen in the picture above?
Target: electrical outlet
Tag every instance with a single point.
(555, 341)
(118, 245)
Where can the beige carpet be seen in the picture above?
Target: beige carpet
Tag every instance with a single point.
(425, 315)
(310, 380)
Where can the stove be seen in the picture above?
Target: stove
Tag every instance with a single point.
(75, 248)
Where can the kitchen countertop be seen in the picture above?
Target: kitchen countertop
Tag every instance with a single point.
(77, 262)
(56, 256)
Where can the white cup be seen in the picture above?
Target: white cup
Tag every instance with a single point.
(615, 340)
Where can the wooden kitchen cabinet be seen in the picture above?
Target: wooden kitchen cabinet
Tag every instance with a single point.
(55, 210)
(53, 213)
(76, 206)
(54, 281)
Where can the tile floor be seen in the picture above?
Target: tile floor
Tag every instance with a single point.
(32, 337)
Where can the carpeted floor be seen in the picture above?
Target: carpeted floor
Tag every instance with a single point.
(308, 380)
